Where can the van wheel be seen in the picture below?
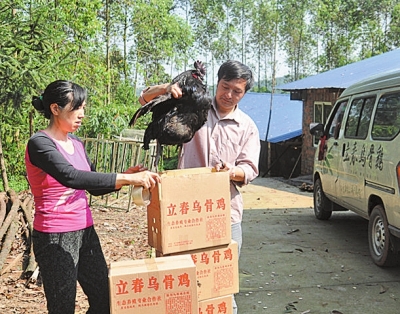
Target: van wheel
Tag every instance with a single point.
(381, 242)
(322, 204)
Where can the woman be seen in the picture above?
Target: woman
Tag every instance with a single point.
(65, 243)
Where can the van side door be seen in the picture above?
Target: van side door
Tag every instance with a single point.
(354, 150)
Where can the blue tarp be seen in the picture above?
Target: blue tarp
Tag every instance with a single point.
(286, 118)
(349, 74)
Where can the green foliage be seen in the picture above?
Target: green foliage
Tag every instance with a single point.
(262, 89)
(18, 183)
(394, 31)
(170, 159)
(170, 163)
(296, 35)
(160, 36)
(112, 119)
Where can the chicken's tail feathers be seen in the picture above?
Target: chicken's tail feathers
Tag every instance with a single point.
(135, 117)
(140, 112)
(148, 107)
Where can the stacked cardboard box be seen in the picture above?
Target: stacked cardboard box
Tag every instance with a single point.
(189, 213)
(164, 285)
(189, 210)
(216, 305)
(217, 270)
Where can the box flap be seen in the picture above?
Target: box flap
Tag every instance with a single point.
(180, 172)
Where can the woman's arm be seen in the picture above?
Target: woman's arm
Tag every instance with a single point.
(43, 154)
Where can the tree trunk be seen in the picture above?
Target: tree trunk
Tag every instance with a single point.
(10, 224)
(13, 212)
(3, 207)
(10, 237)
(3, 167)
(108, 56)
(27, 207)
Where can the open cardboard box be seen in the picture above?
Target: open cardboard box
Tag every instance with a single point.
(189, 209)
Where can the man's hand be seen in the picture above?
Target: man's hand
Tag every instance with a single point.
(175, 90)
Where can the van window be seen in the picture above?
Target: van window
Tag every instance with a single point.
(359, 118)
(336, 123)
(321, 113)
(386, 123)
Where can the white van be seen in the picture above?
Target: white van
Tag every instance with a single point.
(357, 162)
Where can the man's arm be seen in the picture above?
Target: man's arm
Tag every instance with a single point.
(246, 168)
(152, 92)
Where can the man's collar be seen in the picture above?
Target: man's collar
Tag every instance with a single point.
(234, 115)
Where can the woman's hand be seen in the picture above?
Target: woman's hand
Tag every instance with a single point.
(146, 179)
(135, 169)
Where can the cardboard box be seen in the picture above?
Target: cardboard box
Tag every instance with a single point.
(216, 305)
(189, 209)
(163, 285)
(217, 270)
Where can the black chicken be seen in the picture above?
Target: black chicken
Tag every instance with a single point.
(175, 121)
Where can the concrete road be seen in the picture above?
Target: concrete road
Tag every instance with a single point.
(293, 263)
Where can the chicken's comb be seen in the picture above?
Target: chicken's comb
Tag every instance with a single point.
(200, 67)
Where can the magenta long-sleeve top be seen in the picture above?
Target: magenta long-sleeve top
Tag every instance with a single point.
(58, 181)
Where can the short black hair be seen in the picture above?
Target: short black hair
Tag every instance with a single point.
(232, 69)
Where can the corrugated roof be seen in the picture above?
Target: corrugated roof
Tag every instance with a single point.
(349, 74)
(286, 118)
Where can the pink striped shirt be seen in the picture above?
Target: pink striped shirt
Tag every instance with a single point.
(234, 139)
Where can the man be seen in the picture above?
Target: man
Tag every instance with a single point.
(229, 140)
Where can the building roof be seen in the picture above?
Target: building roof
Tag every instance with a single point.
(349, 74)
(286, 117)
(379, 81)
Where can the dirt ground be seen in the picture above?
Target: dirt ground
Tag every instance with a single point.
(123, 235)
(271, 193)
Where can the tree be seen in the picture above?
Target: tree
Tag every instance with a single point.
(394, 28)
(205, 17)
(25, 58)
(159, 37)
(263, 39)
(40, 42)
(296, 36)
(375, 27)
(335, 24)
